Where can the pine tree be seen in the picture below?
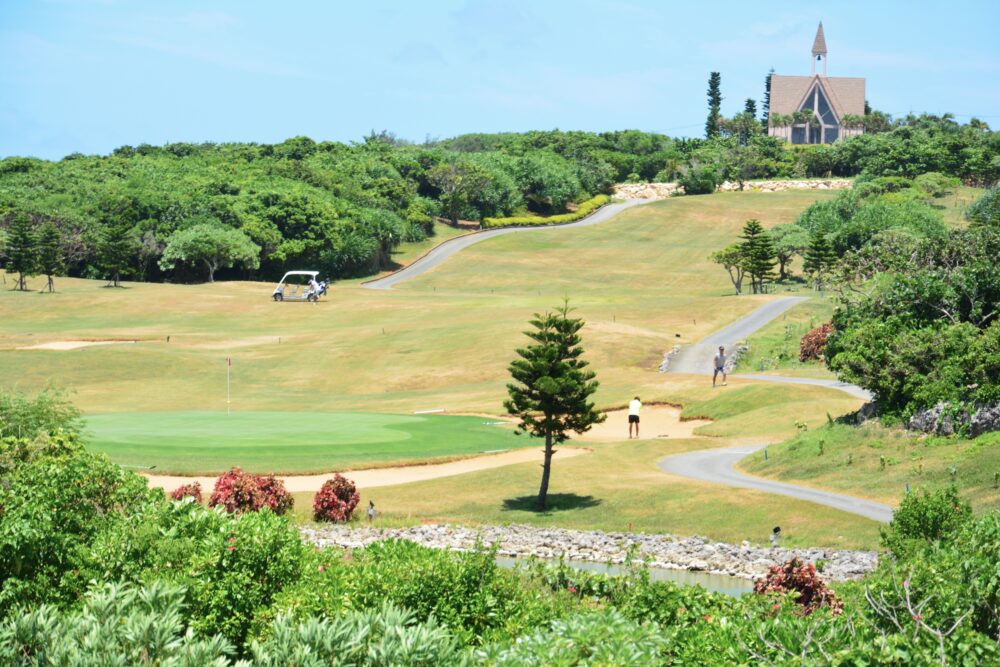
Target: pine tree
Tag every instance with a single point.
(761, 257)
(552, 386)
(714, 105)
(750, 107)
(819, 258)
(50, 255)
(116, 247)
(766, 106)
(22, 250)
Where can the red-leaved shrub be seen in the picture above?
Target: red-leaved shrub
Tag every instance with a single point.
(814, 342)
(237, 491)
(192, 490)
(336, 500)
(275, 495)
(799, 578)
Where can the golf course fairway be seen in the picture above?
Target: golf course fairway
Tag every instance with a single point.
(289, 442)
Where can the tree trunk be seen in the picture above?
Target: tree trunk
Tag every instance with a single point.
(20, 283)
(52, 285)
(782, 275)
(543, 491)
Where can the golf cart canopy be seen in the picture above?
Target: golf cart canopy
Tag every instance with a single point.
(311, 274)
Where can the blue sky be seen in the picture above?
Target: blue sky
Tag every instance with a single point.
(91, 75)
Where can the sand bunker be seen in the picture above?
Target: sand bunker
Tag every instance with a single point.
(241, 342)
(75, 344)
(375, 477)
(655, 421)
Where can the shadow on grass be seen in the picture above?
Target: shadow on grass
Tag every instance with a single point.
(556, 502)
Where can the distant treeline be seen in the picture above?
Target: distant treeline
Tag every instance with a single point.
(184, 211)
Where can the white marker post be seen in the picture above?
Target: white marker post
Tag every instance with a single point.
(229, 366)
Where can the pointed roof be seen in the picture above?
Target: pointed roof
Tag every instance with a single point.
(819, 44)
(845, 94)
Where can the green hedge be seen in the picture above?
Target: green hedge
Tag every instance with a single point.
(585, 209)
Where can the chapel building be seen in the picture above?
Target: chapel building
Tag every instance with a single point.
(812, 109)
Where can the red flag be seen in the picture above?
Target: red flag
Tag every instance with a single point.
(229, 360)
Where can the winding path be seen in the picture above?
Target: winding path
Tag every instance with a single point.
(696, 359)
(448, 248)
(716, 465)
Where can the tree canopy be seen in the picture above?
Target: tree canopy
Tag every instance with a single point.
(552, 386)
(211, 246)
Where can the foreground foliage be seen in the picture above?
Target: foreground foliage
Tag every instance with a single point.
(96, 569)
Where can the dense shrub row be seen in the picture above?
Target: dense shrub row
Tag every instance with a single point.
(150, 212)
(583, 210)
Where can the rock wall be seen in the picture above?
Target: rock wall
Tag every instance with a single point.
(647, 190)
(664, 190)
(941, 420)
(661, 551)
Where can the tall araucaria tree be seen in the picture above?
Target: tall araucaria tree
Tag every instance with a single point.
(51, 260)
(758, 249)
(552, 386)
(819, 259)
(714, 105)
(117, 245)
(22, 250)
(766, 104)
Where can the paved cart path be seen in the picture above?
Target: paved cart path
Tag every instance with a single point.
(696, 359)
(442, 252)
(716, 465)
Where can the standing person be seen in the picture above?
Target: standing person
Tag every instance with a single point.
(634, 406)
(720, 366)
(371, 511)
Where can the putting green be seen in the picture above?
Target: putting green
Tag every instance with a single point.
(288, 442)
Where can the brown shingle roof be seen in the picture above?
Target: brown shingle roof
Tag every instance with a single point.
(819, 44)
(846, 94)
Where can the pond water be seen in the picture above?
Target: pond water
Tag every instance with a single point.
(717, 583)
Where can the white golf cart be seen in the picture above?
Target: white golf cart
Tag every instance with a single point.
(298, 286)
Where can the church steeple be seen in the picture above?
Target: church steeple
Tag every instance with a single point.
(819, 49)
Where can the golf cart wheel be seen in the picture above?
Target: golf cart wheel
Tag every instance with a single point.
(313, 298)
(278, 296)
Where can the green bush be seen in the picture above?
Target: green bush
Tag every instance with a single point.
(924, 519)
(952, 584)
(605, 638)
(231, 565)
(53, 507)
(382, 637)
(235, 573)
(47, 412)
(936, 185)
(468, 592)
(585, 208)
(985, 211)
(117, 625)
(700, 180)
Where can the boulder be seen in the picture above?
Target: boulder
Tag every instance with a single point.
(985, 420)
